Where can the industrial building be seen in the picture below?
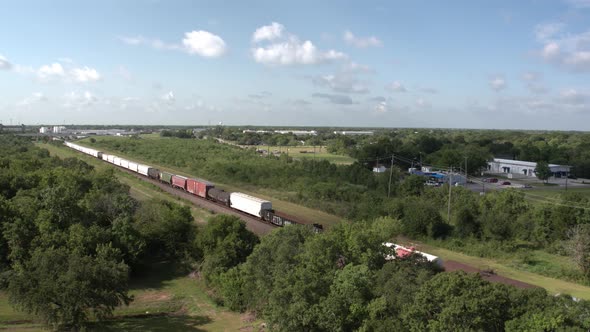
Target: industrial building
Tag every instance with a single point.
(350, 132)
(519, 168)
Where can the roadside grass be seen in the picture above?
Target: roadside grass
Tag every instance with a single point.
(283, 205)
(310, 152)
(552, 285)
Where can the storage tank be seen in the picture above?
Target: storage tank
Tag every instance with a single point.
(179, 181)
(198, 187)
(249, 204)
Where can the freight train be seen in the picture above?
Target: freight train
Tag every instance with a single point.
(248, 204)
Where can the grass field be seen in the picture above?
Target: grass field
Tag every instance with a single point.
(310, 152)
(552, 285)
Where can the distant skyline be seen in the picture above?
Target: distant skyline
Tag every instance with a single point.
(450, 64)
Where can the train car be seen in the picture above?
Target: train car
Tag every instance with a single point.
(218, 195)
(401, 252)
(124, 163)
(179, 181)
(111, 158)
(117, 161)
(132, 166)
(198, 187)
(166, 177)
(105, 157)
(249, 204)
(153, 173)
(282, 219)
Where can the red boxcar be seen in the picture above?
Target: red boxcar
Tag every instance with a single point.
(198, 187)
(179, 181)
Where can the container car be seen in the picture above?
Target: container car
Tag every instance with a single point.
(166, 177)
(249, 204)
(218, 195)
(179, 181)
(110, 158)
(105, 157)
(198, 187)
(117, 161)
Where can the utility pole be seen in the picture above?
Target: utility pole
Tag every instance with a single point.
(466, 170)
(450, 187)
(390, 176)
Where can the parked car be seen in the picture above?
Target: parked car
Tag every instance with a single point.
(505, 183)
(493, 180)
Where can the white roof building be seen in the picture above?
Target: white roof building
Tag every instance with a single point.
(524, 168)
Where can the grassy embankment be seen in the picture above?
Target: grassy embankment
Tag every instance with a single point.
(273, 195)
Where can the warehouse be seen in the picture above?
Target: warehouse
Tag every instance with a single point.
(524, 168)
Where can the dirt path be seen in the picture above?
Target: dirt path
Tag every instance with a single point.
(489, 275)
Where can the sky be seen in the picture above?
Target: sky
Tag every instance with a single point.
(436, 64)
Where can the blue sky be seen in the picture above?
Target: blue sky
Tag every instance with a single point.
(459, 64)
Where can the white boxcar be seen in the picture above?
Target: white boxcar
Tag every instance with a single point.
(110, 158)
(124, 163)
(117, 161)
(249, 204)
(143, 169)
(105, 157)
(132, 166)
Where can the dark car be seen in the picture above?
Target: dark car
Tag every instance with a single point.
(505, 183)
(493, 180)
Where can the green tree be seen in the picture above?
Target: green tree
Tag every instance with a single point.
(543, 171)
(66, 289)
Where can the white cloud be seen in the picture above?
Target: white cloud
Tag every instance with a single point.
(268, 32)
(497, 83)
(4, 63)
(356, 68)
(341, 82)
(361, 42)
(204, 44)
(36, 97)
(573, 97)
(534, 82)
(568, 50)
(85, 74)
(78, 100)
(381, 107)
(290, 50)
(396, 86)
(544, 32)
(168, 97)
(335, 99)
(421, 103)
(49, 71)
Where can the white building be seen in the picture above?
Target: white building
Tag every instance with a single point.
(524, 168)
(297, 132)
(380, 169)
(353, 133)
(44, 130)
(58, 129)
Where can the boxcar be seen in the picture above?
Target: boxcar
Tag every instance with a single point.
(132, 166)
(179, 181)
(198, 187)
(166, 177)
(124, 163)
(218, 195)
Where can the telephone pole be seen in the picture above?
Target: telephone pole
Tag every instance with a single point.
(390, 176)
(450, 187)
